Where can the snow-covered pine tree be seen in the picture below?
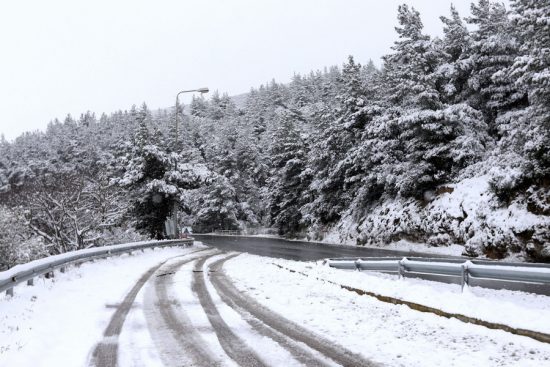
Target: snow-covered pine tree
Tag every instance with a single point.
(531, 70)
(198, 107)
(328, 191)
(216, 207)
(152, 197)
(285, 184)
(436, 139)
(491, 52)
(453, 71)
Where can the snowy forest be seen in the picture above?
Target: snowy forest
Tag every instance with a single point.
(446, 142)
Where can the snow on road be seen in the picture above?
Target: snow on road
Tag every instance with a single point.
(396, 335)
(271, 351)
(57, 322)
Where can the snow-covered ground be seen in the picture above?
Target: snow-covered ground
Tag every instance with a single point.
(396, 335)
(57, 322)
(403, 245)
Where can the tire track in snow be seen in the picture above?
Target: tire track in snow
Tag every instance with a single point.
(105, 352)
(178, 341)
(232, 344)
(301, 352)
(181, 343)
(290, 329)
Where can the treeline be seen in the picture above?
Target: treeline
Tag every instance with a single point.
(326, 152)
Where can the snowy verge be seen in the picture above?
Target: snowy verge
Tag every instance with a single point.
(515, 309)
(57, 322)
(413, 248)
(396, 334)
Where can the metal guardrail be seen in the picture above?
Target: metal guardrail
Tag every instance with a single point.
(515, 272)
(27, 272)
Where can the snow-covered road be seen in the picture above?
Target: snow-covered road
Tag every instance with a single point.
(195, 317)
(199, 306)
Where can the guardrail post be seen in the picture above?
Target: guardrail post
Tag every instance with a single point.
(358, 264)
(62, 269)
(401, 268)
(9, 292)
(30, 281)
(465, 278)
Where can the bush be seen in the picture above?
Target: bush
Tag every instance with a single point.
(17, 243)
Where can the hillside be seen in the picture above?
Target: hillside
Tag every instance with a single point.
(446, 144)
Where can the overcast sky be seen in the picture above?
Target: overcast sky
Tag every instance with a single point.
(60, 57)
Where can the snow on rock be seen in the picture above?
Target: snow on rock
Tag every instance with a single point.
(463, 217)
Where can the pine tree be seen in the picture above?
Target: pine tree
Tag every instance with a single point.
(436, 139)
(531, 70)
(337, 136)
(198, 107)
(453, 72)
(491, 52)
(285, 184)
(216, 208)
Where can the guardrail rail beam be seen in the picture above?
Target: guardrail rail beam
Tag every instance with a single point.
(465, 270)
(46, 266)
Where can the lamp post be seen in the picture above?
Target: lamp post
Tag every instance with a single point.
(176, 203)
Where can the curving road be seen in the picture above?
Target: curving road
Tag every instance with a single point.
(181, 339)
(295, 250)
(195, 316)
(307, 251)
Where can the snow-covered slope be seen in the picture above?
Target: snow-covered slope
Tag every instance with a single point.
(466, 213)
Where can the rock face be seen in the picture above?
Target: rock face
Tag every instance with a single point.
(465, 213)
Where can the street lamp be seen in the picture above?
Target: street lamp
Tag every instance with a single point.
(201, 91)
(176, 203)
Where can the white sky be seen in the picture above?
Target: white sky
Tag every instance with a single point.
(67, 56)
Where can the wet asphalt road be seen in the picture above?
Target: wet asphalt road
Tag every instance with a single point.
(295, 250)
(308, 251)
